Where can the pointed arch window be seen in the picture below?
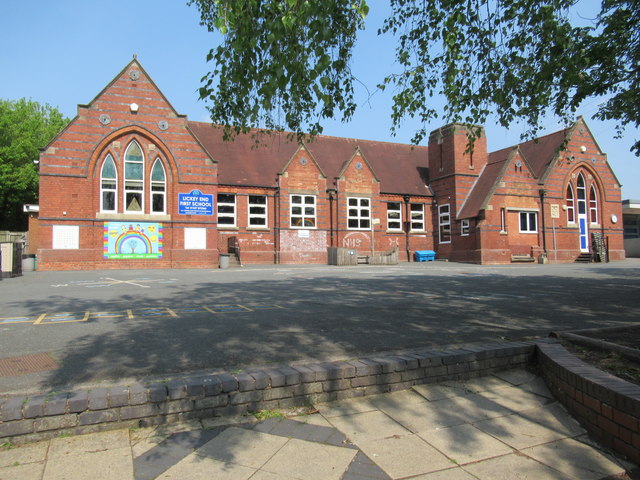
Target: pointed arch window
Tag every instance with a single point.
(582, 196)
(570, 202)
(593, 205)
(108, 185)
(158, 188)
(134, 178)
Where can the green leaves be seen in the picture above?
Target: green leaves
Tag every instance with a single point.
(25, 127)
(286, 63)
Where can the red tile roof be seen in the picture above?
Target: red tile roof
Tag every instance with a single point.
(538, 153)
(400, 168)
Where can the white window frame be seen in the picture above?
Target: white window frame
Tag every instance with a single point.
(129, 182)
(231, 215)
(528, 216)
(303, 216)
(158, 184)
(391, 212)
(355, 212)
(444, 222)
(113, 190)
(571, 208)
(416, 217)
(256, 214)
(593, 205)
(464, 227)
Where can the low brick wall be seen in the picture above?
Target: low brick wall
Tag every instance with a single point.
(43, 416)
(608, 407)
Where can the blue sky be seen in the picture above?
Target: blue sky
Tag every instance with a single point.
(64, 52)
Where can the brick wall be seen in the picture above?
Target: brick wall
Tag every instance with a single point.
(608, 407)
(81, 411)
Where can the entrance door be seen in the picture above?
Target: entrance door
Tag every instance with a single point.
(582, 215)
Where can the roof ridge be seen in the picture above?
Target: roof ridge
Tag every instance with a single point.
(256, 129)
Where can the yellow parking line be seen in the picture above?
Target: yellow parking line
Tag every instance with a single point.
(86, 316)
(40, 318)
(172, 313)
(209, 310)
(130, 314)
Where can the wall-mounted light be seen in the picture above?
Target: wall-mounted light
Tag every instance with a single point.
(134, 107)
(583, 149)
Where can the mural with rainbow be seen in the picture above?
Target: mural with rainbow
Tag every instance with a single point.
(131, 240)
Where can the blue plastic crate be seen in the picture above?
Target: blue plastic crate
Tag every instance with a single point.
(424, 256)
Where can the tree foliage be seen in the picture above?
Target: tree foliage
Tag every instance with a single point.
(286, 63)
(25, 127)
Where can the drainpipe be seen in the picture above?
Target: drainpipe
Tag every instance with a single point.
(276, 224)
(542, 193)
(407, 224)
(332, 192)
(335, 189)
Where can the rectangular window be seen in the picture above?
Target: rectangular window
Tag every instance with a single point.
(444, 223)
(227, 209)
(464, 228)
(394, 216)
(417, 217)
(359, 213)
(303, 211)
(528, 222)
(108, 195)
(257, 211)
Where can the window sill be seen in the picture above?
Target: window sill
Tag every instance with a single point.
(230, 229)
(132, 216)
(258, 229)
(398, 232)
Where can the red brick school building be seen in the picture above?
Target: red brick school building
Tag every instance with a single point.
(131, 183)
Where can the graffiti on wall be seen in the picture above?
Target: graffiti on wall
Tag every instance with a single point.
(131, 240)
(356, 240)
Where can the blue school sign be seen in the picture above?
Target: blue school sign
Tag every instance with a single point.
(195, 203)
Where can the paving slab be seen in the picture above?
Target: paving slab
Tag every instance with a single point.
(465, 443)
(30, 453)
(426, 417)
(516, 399)
(477, 385)
(346, 407)
(516, 376)
(471, 408)
(368, 426)
(555, 417)
(108, 464)
(438, 391)
(195, 467)
(519, 432)
(455, 473)
(562, 455)
(27, 471)
(242, 447)
(310, 461)
(514, 467)
(404, 456)
(93, 442)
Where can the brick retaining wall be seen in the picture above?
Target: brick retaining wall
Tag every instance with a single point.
(43, 416)
(608, 407)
